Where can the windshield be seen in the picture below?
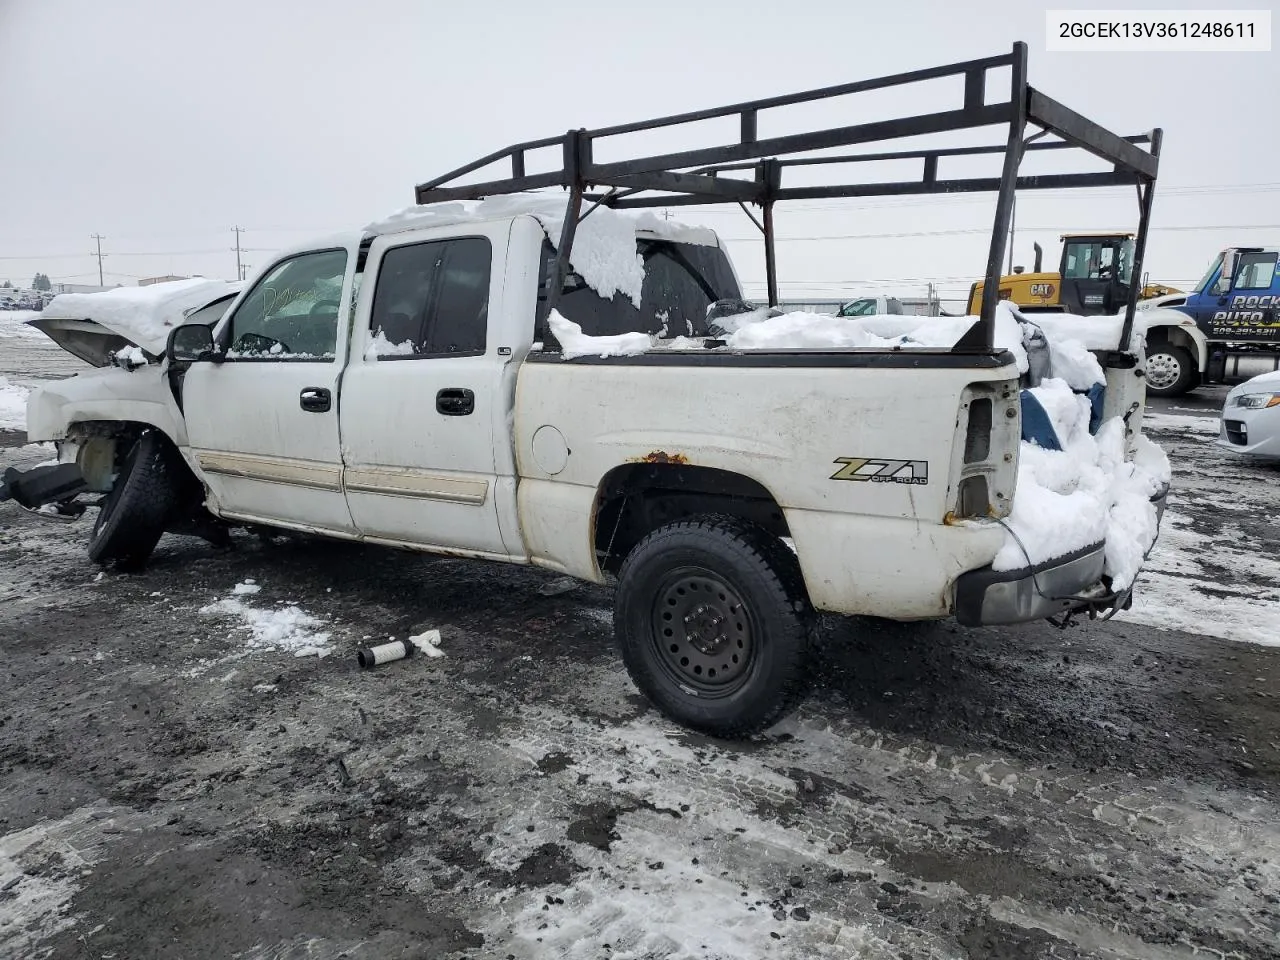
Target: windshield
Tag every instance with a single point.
(859, 308)
(680, 281)
(1099, 260)
(1208, 274)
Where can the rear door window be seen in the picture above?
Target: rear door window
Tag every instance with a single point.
(680, 281)
(432, 300)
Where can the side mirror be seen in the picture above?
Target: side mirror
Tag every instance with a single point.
(190, 343)
(1228, 273)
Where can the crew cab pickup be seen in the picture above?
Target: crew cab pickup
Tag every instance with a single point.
(423, 383)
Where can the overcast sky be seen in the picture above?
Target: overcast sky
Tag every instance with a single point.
(160, 125)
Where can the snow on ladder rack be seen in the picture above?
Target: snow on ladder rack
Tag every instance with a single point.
(695, 176)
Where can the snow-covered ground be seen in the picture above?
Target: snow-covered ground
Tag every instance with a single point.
(27, 359)
(1215, 575)
(13, 325)
(13, 405)
(284, 626)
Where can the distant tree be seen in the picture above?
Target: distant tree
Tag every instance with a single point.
(41, 282)
(7, 285)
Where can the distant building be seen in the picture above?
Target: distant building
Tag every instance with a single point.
(77, 288)
(150, 280)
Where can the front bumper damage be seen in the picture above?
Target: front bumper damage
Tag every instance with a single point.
(55, 483)
(1062, 586)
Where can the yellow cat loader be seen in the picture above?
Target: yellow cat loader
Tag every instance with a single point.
(1092, 278)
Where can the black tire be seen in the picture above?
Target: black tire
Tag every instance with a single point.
(1171, 369)
(692, 581)
(144, 497)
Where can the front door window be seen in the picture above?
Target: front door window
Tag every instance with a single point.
(293, 312)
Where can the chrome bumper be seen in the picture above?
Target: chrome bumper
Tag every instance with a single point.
(985, 597)
(1074, 582)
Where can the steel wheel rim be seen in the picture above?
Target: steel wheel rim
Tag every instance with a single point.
(1163, 369)
(702, 632)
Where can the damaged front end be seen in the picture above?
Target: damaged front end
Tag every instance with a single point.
(56, 485)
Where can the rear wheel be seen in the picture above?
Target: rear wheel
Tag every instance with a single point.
(714, 624)
(146, 492)
(1171, 370)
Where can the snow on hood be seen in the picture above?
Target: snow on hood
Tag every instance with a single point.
(142, 315)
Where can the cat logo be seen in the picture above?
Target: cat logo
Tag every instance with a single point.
(882, 471)
(1042, 290)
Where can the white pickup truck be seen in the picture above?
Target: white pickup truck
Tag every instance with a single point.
(446, 380)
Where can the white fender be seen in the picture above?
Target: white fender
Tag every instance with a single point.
(111, 394)
(1182, 330)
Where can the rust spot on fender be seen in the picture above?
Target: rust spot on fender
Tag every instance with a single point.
(661, 456)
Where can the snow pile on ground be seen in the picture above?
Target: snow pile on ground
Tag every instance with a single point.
(1085, 493)
(1183, 587)
(144, 315)
(13, 406)
(287, 628)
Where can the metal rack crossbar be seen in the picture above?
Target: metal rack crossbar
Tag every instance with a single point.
(704, 176)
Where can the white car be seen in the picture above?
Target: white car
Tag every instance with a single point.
(1251, 417)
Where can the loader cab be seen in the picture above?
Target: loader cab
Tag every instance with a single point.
(1096, 271)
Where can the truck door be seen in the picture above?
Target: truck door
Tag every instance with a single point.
(422, 399)
(1249, 311)
(263, 423)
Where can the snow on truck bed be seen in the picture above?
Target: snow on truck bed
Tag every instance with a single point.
(1064, 500)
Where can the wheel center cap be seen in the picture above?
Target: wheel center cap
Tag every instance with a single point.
(703, 628)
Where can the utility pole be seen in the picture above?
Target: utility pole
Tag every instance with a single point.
(666, 214)
(99, 237)
(239, 269)
(244, 270)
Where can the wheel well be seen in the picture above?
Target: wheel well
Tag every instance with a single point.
(635, 499)
(1176, 337)
(91, 434)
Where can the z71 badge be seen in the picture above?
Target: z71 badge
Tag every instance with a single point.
(882, 471)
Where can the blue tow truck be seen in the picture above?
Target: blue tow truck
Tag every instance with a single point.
(1226, 329)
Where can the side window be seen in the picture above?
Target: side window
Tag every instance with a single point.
(432, 299)
(292, 314)
(1256, 271)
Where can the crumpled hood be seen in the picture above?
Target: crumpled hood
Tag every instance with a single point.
(93, 326)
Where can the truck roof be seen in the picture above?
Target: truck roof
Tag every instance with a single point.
(547, 208)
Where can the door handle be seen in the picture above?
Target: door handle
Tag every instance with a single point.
(455, 402)
(315, 399)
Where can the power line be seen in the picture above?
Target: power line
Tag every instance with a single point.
(986, 230)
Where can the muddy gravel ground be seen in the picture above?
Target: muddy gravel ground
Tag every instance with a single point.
(171, 787)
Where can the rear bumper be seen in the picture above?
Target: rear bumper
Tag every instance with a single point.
(985, 597)
(1073, 582)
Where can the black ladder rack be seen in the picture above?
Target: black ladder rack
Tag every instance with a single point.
(693, 176)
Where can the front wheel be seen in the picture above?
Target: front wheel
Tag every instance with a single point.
(715, 625)
(1171, 370)
(144, 496)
